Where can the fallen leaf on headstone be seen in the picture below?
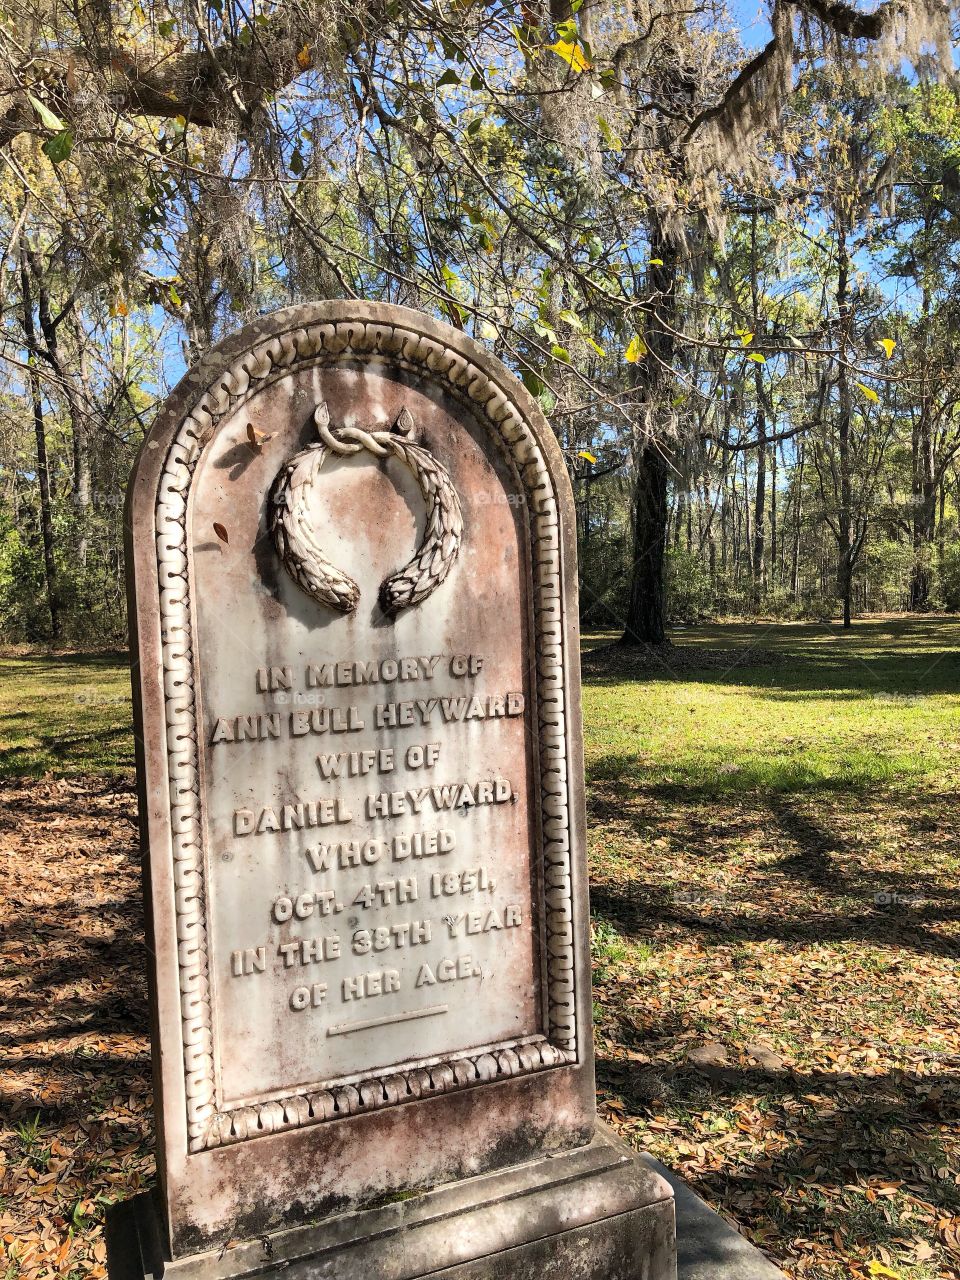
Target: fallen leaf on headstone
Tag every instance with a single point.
(257, 439)
(221, 532)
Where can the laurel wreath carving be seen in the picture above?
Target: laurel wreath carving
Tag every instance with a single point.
(296, 539)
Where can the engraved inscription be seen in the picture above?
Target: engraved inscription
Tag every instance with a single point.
(362, 813)
(408, 913)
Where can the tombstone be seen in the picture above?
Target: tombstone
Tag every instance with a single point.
(356, 679)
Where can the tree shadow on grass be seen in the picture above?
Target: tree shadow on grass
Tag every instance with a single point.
(102, 658)
(60, 746)
(637, 917)
(625, 777)
(778, 662)
(888, 1127)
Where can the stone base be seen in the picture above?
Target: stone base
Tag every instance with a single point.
(597, 1213)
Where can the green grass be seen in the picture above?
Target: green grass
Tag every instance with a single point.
(65, 714)
(772, 818)
(795, 708)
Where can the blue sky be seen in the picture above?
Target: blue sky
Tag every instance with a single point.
(751, 18)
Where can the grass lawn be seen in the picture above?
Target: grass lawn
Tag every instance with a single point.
(775, 846)
(68, 714)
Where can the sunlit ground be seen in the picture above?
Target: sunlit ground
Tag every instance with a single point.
(775, 847)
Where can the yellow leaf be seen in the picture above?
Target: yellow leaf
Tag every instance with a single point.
(869, 393)
(878, 1269)
(746, 339)
(756, 357)
(119, 308)
(889, 346)
(636, 350)
(589, 456)
(572, 54)
(656, 262)
(596, 345)
(305, 58)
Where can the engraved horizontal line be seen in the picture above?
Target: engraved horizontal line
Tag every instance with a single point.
(345, 1028)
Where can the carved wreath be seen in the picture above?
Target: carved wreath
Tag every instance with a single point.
(296, 539)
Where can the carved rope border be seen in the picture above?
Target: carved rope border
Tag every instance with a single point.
(422, 353)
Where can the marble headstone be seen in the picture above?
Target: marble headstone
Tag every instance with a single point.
(354, 621)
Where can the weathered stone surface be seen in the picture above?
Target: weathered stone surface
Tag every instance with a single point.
(353, 602)
(597, 1213)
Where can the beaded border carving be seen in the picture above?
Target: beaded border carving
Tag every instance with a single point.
(321, 342)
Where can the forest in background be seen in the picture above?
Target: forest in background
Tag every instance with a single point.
(724, 262)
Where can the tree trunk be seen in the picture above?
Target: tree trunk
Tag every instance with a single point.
(747, 527)
(797, 520)
(646, 610)
(758, 566)
(924, 479)
(759, 513)
(74, 390)
(43, 465)
(776, 573)
(724, 526)
(646, 614)
(79, 431)
(845, 530)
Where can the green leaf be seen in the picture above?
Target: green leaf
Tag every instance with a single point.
(746, 338)
(560, 353)
(532, 381)
(166, 28)
(474, 127)
(567, 31)
(596, 345)
(476, 81)
(174, 296)
(449, 77)
(572, 319)
(297, 165)
(47, 118)
(636, 350)
(59, 147)
(610, 136)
